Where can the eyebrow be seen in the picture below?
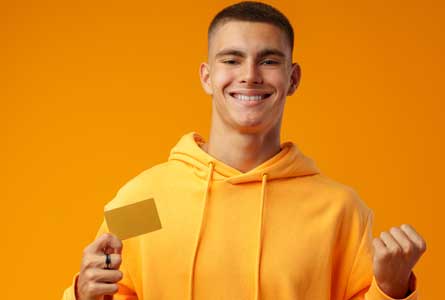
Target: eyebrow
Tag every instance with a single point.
(261, 54)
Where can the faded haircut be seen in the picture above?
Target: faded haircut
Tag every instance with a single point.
(252, 11)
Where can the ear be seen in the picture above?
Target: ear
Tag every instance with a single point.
(295, 79)
(204, 74)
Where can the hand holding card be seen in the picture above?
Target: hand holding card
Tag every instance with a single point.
(97, 278)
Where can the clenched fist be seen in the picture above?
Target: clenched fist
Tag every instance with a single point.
(95, 279)
(395, 254)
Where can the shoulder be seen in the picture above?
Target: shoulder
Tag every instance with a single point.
(340, 205)
(140, 186)
(354, 214)
(339, 195)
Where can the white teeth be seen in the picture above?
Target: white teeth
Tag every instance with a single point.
(249, 98)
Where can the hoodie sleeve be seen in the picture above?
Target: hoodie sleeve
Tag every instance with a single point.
(362, 284)
(126, 288)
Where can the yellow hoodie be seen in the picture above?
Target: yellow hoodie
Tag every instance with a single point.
(281, 231)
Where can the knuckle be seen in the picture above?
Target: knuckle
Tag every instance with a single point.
(120, 275)
(409, 248)
(405, 226)
(90, 287)
(383, 254)
(87, 263)
(381, 257)
(88, 275)
(394, 230)
(84, 264)
(114, 287)
(396, 251)
(86, 251)
(390, 252)
(422, 246)
(118, 259)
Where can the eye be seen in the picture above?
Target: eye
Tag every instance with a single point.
(270, 62)
(230, 62)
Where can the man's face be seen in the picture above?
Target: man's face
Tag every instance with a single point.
(249, 74)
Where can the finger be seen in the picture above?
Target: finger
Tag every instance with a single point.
(379, 247)
(403, 240)
(107, 242)
(390, 242)
(115, 261)
(100, 289)
(414, 237)
(104, 276)
(109, 276)
(94, 261)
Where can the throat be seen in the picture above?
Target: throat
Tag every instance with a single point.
(239, 155)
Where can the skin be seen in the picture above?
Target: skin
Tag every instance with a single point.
(94, 280)
(246, 136)
(395, 253)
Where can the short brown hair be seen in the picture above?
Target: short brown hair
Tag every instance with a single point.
(252, 11)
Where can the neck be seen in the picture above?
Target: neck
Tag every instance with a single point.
(240, 150)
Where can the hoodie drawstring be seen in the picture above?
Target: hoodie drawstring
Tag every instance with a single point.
(260, 232)
(198, 241)
(260, 238)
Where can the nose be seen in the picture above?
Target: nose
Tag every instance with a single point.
(250, 73)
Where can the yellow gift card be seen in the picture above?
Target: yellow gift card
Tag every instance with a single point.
(133, 219)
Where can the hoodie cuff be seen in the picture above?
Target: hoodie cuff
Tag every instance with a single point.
(375, 293)
(70, 292)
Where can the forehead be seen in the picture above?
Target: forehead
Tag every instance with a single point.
(248, 37)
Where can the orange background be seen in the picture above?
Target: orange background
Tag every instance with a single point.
(94, 93)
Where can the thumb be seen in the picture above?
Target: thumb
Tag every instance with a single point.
(107, 243)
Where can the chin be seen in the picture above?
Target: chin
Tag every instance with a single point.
(251, 127)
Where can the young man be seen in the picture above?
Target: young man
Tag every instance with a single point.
(243, 215)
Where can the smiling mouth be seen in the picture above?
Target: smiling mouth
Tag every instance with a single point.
(250, 97)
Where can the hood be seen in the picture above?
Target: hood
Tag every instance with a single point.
(289, 162)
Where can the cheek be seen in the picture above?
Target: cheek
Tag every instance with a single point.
(278, 79)
(222, 78)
